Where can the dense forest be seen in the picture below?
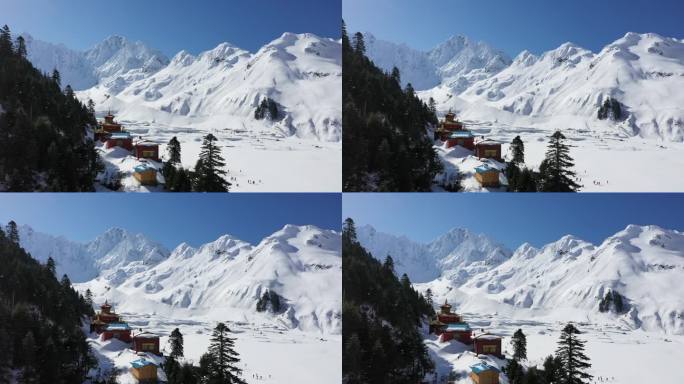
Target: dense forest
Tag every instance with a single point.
(41, 340)
(385, 139)
(42, 127)
(381, 316)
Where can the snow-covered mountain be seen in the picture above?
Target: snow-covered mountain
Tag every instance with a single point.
(565, 88)
(302, 264)
(566, 279)
(115, 62)
(114, 255)
(458, 62)
(456, 255)
(301, 72)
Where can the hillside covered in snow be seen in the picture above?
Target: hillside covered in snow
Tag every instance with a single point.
(300, 72)
(569, 279)
(223, 279)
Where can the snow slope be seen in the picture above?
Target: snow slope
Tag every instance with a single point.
(114, 63)
(113, 255)
(564, 88)
(456, 255)
(301, 72)
(458, 62)
(219, 280)
(562, 280)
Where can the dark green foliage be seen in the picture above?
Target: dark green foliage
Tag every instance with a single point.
(268, 108)
(269, 301)
(521, 180)
(385, 136)
(220, 362)
(556, 169)
(50, 265)
(612, 301)
(553, 370)
(611, 109)
(209, 173)
(12, 232)
(381, 342)
(570, 353)
(518, 150)
(42, 129)
(40, 322)
(428, 297)
(174, 150)
(389, 264)
(514, 371)
(519, 343)
(176, 340)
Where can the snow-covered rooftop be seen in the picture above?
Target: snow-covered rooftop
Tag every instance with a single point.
(482, 367)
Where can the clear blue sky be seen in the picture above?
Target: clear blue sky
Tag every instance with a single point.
(171, 218)
(513, 219)
(171, 25)
(514, 25)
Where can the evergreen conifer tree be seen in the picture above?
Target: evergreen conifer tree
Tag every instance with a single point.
(209, 173)
(556, 169)
(50, 265)
(5, 41)
(396, 75)
(389, 264)
(518, 150)
(519, 342)
(176, 340)
(56, 77)
(349, 230)
(12, 232)
(29, 374)
(89, 297)
(21, 47)
(571, 355)
(223, 358)
(514, 371)
(428, 297)
(359, 44)
(174, 151)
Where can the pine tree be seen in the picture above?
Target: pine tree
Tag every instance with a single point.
(5, 41)
(56, 77)
(65, 283)
(89, 297)
(174, 151)
(50, 265)
(176, 340)
(514, 372)
(432, 105)
(223, 358)
(396, 75)
(389, 264)
(359, 44)
(555, 170)
(553, 370)
(518, 150)
(519, 342)
(209, 175)
(428, 297)
(21, 47)
(349, 230)
(12, 232)
(91, 107)
(571, 355)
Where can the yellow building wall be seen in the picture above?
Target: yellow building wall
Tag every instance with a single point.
(146, 178)
(488, 377)
(148, 372)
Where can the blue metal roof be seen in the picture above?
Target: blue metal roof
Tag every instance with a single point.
(141, 363)
(485, 168)
(461, 134)
(118, 327)
(144, 167)
(458, 327)
(482, 367)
